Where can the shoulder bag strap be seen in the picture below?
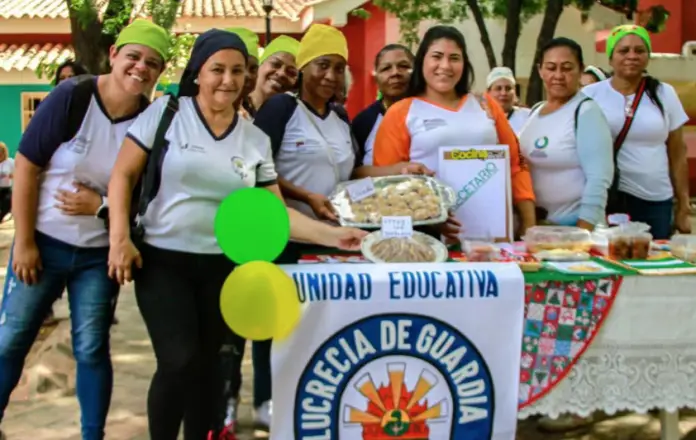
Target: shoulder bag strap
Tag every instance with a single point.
(153, 169)
(618, 142)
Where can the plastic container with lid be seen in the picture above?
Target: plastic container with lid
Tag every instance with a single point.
(546, 238)
(480, 250)
(684, 247)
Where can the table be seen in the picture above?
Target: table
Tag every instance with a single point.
(643, 357)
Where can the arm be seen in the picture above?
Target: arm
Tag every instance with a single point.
(305, 229)
(25, 196)
(595, 151)
(393, 141)
(127, 170)
(678, 168)
(522, 190)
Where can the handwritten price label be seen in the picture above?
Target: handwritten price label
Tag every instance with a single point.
(397, 227)
(361, 189)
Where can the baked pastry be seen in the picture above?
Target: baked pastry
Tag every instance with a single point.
(403, 250)
(410, 197)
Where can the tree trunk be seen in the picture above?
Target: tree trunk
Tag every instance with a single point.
(512, 33)
(535, 89)
(483, 30)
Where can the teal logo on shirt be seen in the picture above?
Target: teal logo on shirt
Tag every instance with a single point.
(539, 145)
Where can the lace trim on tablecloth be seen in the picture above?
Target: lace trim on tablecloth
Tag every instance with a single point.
(612, 379)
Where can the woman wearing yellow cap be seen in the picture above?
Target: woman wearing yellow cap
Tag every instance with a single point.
(60, 241)
(646, 120)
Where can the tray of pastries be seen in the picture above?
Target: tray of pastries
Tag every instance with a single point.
(425, 199)
(419, 248)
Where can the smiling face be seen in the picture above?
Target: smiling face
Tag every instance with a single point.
(630, 57)
(560, 70)
(443, 65)
(323, 76)
(135, 67)
(222, 78)
(503, 91)
(277, 74)
(393, 73)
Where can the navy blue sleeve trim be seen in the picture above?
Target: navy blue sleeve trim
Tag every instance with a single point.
(48, 127)
(273, 117)
(266, 183)
(138, 142)
(364, 122)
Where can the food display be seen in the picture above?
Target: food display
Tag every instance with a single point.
(480, 251)
(419, 248)
(547, 238)
(684, 247)
(630, 241)
(422, 198)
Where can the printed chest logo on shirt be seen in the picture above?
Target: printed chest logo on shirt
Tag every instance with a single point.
(539, 145)
(239, 167)
(396, 377)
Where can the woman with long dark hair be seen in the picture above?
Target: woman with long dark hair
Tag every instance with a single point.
(68, 69)
(440, 92)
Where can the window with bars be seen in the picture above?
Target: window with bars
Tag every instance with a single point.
(30, 102)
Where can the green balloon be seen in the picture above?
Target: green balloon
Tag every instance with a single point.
(252, 224)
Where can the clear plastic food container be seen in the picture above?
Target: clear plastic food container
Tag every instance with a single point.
(546, 238)
(480, 251)
(684, 247)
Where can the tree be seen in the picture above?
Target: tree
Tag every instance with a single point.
(653, 18)
(94, 31)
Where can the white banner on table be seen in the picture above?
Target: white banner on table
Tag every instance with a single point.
(480, 176)
(406, 352)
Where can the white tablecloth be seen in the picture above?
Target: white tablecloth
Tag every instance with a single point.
(644, 356)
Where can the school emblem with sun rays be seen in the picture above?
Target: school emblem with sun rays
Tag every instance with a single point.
(392, 409)
(395, 377)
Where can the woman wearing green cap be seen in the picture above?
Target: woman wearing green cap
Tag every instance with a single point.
(251, 41)
(277, 71)
(60, 241)
(646, 120)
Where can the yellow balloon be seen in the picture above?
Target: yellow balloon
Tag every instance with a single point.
(259, 301)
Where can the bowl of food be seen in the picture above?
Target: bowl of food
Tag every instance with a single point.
(419, 248)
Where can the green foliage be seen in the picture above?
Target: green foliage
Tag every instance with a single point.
(180, 52)
(360, 13)
(412, 12)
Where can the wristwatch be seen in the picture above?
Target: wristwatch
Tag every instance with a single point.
(103, 210)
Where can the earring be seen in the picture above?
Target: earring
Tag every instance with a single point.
(195, 81)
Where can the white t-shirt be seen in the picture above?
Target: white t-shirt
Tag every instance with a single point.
(199, 171)
(518, 117)
(642, 160)
(6, 173)
(312, 151)
(87, 158)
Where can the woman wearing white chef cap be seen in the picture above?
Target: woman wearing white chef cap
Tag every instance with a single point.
(501, 86)
(591, 75)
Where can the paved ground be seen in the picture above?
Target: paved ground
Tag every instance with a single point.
(57, 418)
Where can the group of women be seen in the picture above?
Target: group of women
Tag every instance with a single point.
(241, 119)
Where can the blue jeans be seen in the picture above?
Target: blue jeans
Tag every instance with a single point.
(92, 296)
(658, 215)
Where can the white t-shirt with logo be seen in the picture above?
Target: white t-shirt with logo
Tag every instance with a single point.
(198, 172)
(87, 158)
(571, 165)
(642, 160)
(6, 173)
(312, 151)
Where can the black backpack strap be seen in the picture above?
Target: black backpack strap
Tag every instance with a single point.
(85, 88)
(577, 111)
(153, 169)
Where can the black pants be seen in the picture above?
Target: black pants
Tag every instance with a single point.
(178, 295)
(5, 202)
